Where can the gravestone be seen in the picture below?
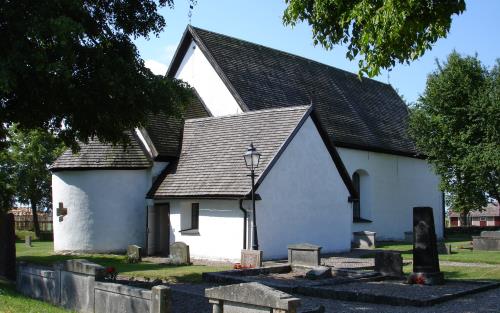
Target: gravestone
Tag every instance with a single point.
(179, 253)
(364, 239)
(425, 255)
(389, 263)
(251, 258)
(488, 241)
(250, 298)
(443, 248)
(27, 241)
(7, 246)
(304, 254)
(134, 253)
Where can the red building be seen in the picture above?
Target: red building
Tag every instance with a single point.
(490, 216)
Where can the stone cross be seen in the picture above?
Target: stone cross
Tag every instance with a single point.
(61, 211)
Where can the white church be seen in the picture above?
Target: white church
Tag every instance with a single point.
(335, 159)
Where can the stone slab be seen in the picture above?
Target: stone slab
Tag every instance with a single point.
(304, 255)
(27, 241)
(255, 294)
(123, 290)
(251, 258)
(491, 234)
(179, 253)
(389, 263)
(232, 307)
(109, 302)
(37, 283)
(480, 243)
(82, 266)
(398, 293)
(77, 291)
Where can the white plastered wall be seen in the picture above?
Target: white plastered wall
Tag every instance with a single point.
(106, 209)
(196, 70)
(396, 184)
(220, 233)
(303, 199)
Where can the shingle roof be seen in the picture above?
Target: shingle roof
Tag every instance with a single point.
(211, 161)
(364, 114)
(165, 132)
(97, 155)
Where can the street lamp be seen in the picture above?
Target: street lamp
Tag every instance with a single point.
(252, 158)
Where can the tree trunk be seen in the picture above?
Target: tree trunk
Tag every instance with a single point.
(463, 218)
(36, 225)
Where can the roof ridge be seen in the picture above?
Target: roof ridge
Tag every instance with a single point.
(281, 109)
(288, 53)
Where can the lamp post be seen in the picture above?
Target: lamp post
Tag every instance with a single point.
(252, 158)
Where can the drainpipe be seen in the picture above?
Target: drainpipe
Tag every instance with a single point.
(147, 231)
(245, 213)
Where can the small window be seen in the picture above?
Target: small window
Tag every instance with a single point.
(483, 218)
(195, 215)
(356, 204)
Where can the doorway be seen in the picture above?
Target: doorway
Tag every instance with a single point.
(162, 229)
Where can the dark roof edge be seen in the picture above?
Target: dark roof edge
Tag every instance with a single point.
(94, 168)
(190, 34)
(208, 196)
(283, 147)
(334, 154)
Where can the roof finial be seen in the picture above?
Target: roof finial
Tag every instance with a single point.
(192, 3)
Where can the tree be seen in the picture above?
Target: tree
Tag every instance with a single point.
(383, 31)
(31, 153)
(6, 186)
(71, 67)
(456, 123)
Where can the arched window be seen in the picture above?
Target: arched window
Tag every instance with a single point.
(362, 207)
(357, 204)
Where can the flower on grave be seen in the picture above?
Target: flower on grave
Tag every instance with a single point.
(420, 280)
(111, 273)
(237, 266)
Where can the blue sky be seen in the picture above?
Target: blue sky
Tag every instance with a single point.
(477, 30)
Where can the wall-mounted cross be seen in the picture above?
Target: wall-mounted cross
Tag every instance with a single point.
(61, 211)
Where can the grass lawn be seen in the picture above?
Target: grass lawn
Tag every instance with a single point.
(41, 253)
(461, 251)
(13, 302)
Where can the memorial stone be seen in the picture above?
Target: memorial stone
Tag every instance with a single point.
(250, 298)
(7, 246)
(364, 239)
(134, 253)
(179, 253)
(251, 258)
(389, 263)
(304, 254)
(425, 254)
(27, 241)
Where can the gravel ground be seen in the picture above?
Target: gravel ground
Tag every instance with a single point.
(189, 299)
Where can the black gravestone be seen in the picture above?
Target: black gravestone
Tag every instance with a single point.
(425, 255)
(7, 246)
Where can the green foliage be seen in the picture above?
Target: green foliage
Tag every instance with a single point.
(71, 67)
(30, 154)
(456, 123)
(6, 185)
(383, 31)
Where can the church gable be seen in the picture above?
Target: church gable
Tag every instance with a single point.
(362, 114)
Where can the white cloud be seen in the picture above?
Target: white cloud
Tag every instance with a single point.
(156, 67)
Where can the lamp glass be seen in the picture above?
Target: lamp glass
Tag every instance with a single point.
(252, 157)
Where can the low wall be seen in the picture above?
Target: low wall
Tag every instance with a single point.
(78, 285)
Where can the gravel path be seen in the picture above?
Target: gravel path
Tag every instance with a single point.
(189, 299)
